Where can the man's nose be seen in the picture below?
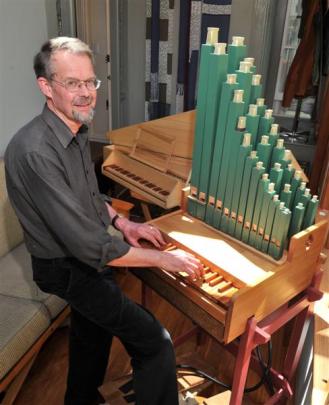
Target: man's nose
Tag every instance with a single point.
(82, 89)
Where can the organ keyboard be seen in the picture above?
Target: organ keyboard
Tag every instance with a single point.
(161, 189)
(152, 159)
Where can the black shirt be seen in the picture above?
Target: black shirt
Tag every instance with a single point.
(53, 188)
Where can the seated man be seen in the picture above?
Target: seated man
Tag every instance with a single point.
(53, 189)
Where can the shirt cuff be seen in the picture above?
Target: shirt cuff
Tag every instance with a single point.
(106, 198)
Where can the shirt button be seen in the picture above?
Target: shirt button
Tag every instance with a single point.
(93, 193)
(87, 171)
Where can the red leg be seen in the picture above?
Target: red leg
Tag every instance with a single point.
(296, 343)
(242, 362)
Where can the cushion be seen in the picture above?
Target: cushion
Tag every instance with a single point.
(11, 233)
(21, 323)
(16, 280)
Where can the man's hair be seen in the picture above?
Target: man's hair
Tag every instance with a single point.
(42, 60)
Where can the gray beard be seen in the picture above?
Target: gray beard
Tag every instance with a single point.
(84, 118)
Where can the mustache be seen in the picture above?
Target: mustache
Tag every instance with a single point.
(82, 100)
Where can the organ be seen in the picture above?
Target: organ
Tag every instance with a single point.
(256, 237)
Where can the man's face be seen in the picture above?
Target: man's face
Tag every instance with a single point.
(75, 108)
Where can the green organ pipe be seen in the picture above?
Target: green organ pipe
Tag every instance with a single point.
(244, 77)
(298, 213)
(226, 96)
(310, 212)
(206, 50)
(265, 123)
(236, 139)
(278, 152)
(261, 191)
(268, 195)
(217, 74)
(264, 151)
(256, 175)
(276, 174)
(286, 196)
(261, 107)
(236, 52)
(236, 108)
(256, 89)
(251, 162)
(299, 192)
(274, 203)
(252, 122)
(244, 151)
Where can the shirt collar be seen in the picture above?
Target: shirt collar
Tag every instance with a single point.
(61, 130)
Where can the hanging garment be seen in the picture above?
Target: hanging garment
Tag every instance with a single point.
(299, 81)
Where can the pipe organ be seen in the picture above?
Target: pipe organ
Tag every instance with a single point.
(247, 196)
(243, 182)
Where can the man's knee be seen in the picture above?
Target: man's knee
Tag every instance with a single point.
(164, 346)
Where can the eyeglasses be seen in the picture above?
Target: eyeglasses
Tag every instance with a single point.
(74, 85)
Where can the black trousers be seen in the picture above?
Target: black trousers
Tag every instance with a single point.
(100, 311)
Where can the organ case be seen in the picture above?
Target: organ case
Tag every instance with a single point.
(249, 283)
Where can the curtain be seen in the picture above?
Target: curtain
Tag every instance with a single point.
(165, 93)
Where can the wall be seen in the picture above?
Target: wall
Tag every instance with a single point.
(127, 25)
(23, 28)
(136, 51)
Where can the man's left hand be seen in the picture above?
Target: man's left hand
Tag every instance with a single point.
(133, 232)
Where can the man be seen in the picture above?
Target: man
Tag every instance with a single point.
(53, 190)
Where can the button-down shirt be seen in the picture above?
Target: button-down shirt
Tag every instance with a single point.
(52, 186)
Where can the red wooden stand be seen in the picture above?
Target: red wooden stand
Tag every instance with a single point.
(255, 334)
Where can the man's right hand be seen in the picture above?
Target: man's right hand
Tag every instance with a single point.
(174, 261)
(180, 261)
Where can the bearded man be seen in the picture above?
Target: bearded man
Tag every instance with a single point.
(53, 189)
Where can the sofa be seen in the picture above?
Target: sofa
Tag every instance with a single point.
(27, 315)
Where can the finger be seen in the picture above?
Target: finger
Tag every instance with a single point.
(159, 239)
(157, 234)
(200, 268)
(193, 276)
(149, 237)
(193, 271)
(133, 242)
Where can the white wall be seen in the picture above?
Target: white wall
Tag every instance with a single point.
(23, 28)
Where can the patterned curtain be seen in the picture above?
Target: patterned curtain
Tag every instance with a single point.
(162, 35)
(159, 51)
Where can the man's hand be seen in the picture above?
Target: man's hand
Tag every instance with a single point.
(133, 232)
(180, 261)
(173, 261)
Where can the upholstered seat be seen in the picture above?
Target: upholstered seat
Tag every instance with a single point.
(16, 280)
(27, 315)
(21, 323)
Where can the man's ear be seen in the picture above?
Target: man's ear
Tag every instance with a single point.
(44, 87)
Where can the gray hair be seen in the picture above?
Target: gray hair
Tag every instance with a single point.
(42, 60)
